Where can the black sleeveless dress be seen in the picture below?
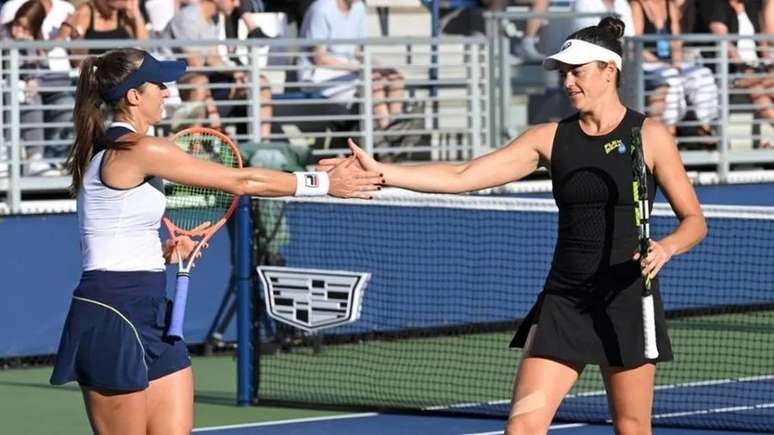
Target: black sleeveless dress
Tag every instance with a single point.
(92, 34)
(590, 310)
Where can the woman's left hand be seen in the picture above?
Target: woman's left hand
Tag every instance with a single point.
(657, 257)
(184, 244)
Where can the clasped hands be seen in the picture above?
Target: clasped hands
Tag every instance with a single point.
(355, 176)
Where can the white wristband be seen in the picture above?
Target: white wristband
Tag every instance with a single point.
(312, 183)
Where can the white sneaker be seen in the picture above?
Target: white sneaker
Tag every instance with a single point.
(42, 169)
(527, 51)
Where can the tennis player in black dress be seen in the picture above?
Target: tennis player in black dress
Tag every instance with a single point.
(590, 310)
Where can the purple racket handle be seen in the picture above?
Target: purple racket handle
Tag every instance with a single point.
(178, 307)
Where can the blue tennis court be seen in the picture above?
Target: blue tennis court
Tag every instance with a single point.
(392, 424)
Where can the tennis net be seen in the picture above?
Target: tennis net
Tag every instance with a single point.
(452, 276)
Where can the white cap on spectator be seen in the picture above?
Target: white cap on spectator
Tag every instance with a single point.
(577, 52)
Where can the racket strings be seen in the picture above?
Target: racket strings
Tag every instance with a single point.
(194, 208)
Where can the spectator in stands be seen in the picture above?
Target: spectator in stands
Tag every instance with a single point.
(104, 19)
(466, 17)
(157, 13)
(26, 26)
(244, 11)
(616, 7)
(743, 18)
(673, 81)
(198, 108)
(526, 47)
(767, 22)
(35, 76)
(200, 21)
(294, 9)
(56, 11)
(687, 15)
(335, 68)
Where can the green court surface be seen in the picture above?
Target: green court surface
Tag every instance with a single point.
(30, 406)
(479, 368)
(417, 372)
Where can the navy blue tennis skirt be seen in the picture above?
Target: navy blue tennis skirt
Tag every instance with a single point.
(114, 337)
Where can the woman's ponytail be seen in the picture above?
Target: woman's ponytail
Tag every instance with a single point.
(89, 122)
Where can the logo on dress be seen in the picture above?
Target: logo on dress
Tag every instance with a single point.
(616, 144)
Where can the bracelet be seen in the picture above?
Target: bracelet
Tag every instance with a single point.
(311, 183)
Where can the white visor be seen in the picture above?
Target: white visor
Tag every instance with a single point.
(577, 52)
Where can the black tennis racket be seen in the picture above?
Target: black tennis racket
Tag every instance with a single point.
(642, 220)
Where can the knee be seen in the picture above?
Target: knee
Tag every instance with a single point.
(378, 86)
(174, 428)
(526, 425)
(396, 78)
(631, 425)
(747, 82)
(184, 429)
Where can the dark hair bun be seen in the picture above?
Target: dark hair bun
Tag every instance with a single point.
(612, 25)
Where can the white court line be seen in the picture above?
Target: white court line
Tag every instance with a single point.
(294, 420)
(715, 410)
(603, 392)
(686, 385)
(555, 426)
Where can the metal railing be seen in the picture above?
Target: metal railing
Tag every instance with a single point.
(511, 75)
(444, 117)
(735, 135)
(460, 92)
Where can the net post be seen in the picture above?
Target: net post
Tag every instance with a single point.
(244, 301)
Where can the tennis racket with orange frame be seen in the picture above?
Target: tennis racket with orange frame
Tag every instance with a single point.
(197, 212)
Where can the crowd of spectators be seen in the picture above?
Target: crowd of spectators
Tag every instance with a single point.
(680, 84)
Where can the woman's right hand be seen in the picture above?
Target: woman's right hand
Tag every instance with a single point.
(365, 161)
(348, 179)
(182, 245)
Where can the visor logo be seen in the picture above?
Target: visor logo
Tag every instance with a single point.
(566, 45)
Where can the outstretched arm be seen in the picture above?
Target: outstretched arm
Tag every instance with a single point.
(160, 157)
(514, 161)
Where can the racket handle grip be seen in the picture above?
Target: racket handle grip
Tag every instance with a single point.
(178, 307)
(649, 327)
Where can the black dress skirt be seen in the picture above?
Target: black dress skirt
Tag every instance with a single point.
(603, 326)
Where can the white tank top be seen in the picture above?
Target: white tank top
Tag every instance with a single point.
(746, 47)
(120, 227)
